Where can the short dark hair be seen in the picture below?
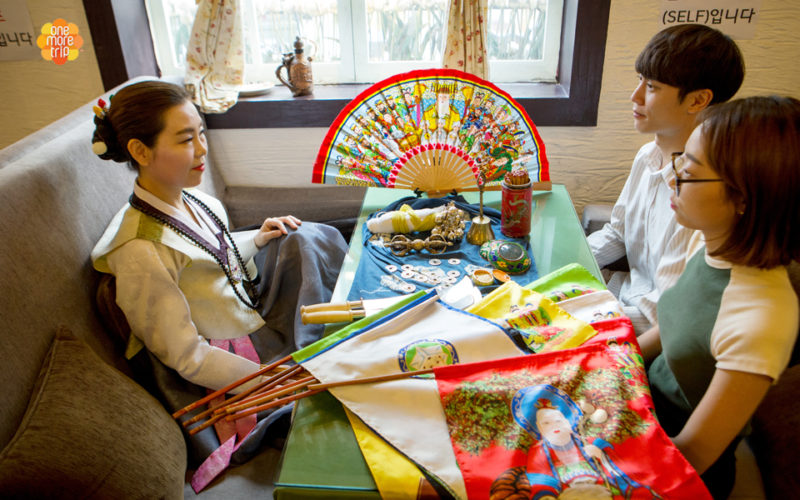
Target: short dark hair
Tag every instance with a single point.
(136, 112)
(693, 57)
(753, 144)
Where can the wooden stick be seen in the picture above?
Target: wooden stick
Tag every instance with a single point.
(261, 398)
(279, 378)
(272, 404)
(265, 385)
(317, 388)
(219, 413)
(265, 393)
(368, 380)
(311, 390)
(224, 390)
(208, 423)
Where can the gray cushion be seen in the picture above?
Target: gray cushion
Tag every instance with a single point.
(91, 432)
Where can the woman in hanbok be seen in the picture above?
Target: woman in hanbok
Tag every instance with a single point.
(206, 306)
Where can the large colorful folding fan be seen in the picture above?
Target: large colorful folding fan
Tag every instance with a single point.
(434, 130)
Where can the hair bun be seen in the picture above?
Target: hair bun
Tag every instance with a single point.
(105, 143)
(99, 148)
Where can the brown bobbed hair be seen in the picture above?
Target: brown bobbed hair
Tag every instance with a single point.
(136, 112)
(693, 57)
(753, 144)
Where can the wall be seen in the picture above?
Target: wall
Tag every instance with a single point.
(37, 92)
(592, 162)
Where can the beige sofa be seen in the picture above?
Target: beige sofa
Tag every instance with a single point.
(72, 423)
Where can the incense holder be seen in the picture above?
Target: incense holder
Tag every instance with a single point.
(508, 256)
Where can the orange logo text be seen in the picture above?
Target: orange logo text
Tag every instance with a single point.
(60, 41)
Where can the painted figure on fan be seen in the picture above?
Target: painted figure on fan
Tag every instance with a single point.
(452, 135)
(503, 115)
(380, 125)
(562, 464)
(350, 148)
(373, 154)
(368, 127)
(367, 174)
(390, 122)
(439, 112)
(414, 103)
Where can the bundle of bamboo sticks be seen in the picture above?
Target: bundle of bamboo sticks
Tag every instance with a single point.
(282, 385)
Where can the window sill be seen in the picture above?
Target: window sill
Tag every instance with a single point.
(545, 103)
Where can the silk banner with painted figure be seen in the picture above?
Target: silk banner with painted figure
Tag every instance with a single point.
(575, 423)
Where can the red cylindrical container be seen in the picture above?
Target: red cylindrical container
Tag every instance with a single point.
(515, 210)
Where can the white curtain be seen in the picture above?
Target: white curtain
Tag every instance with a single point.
(466, 37)
(215, 55)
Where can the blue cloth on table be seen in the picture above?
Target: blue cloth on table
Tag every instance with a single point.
(375, 258)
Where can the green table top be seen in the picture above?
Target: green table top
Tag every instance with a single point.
(321, 458)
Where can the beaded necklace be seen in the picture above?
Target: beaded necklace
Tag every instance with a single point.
(223, 257)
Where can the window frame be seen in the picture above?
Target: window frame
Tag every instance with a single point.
(125, 50)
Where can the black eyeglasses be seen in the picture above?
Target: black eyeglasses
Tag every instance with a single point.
(677, 163)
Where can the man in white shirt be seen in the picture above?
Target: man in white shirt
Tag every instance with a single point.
(682, 70)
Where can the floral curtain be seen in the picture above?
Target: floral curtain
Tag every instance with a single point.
(466, 37)
(215, 55)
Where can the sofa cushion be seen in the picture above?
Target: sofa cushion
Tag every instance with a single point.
(91, 432)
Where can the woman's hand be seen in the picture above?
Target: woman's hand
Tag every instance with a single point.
(724, 410)
(275, 227)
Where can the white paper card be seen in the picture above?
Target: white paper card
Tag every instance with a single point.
(17, 36)
(735, 18)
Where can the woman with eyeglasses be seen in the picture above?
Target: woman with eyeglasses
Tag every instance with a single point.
(726, 329)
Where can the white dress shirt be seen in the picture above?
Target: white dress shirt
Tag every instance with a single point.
(643, 227)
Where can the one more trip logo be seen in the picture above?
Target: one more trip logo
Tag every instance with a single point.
(60, 41)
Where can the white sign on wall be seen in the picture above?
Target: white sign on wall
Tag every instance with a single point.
(735, 18)
(17, 36)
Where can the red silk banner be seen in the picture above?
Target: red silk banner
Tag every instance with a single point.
(576, 423)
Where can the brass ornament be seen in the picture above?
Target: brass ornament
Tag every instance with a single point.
(400, 244)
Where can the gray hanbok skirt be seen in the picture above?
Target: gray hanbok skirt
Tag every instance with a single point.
(297, 269)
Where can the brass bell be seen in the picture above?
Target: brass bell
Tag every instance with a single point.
(480, 231)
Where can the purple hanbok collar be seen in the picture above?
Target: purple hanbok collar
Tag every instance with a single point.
(224, 255)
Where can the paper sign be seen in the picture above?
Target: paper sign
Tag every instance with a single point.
(17, 36)
(735, 18)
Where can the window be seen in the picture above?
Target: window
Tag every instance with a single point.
(523, 40)
(364, 41)
(124, 48)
